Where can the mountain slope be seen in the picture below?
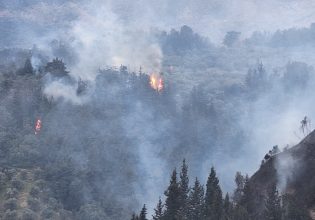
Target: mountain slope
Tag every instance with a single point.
(292, 170)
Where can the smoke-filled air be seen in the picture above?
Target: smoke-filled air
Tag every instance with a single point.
(157, 110)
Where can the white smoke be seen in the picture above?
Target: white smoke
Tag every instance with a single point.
(287, 166)
(102, 39)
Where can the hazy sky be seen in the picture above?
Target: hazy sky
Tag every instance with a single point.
(210, 17)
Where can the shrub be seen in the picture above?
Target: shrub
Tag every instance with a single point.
(10, 215)
(33, 204)
(23, 175)
(10, 204)
(11, 193)
(27, 214)
(47, 213)
(18, 184)
(34, 192)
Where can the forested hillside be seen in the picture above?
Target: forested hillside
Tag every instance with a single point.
(282, 188)
(100, 100)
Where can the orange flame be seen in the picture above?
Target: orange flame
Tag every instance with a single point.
(38, 126)
(156, 82)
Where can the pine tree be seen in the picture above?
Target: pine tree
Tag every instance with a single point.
(238, 192)
(134, 217)
(213, 199)
(184, 190)
(240, 213)
(172, 194)
(227, 206)
(143, 213)
(158, 211)
(196, 202)
(247, 198)
(28, 68)
(273, 204)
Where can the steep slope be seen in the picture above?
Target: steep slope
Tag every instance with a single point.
(293, 172)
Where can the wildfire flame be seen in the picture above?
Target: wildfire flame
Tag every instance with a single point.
(38, 126)
(156, 82)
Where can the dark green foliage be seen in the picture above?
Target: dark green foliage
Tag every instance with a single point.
(10, 215)
(182, 41)
(47, 213)
(184, 190)
(134, 217)
(273, 209)
(172, 202)
(143, 213)
(28, 68)
(294, 209)
(213, 198)
(158, 211)
(33, 204)
(57, 68)
(91, 212)
(196, 202)
(27, 214)
(240, 213)
(256, 80)
(11, 193)
(34, 192)
(227, 207)
(10, 204)
(239, 190)
(18, 184)
(247, 198)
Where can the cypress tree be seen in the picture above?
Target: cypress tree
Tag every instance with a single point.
(196, 202)
(213, 199)
(172, 198)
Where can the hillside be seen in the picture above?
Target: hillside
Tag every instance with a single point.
(292, 170)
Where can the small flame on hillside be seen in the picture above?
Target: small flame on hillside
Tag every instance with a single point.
(38, 126)
(156, 82)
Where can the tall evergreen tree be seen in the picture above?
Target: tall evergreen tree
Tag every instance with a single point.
(213, 199)
(238, 192)
(196, 202)
(184, 190)
(240, 213)
(158, 211)
(28, 68)
(134, 217)
(172, 202)
(227, 206)
(247, 198)
(143, 213)
(273, 204)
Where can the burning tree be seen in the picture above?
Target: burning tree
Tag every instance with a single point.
(156, 82)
